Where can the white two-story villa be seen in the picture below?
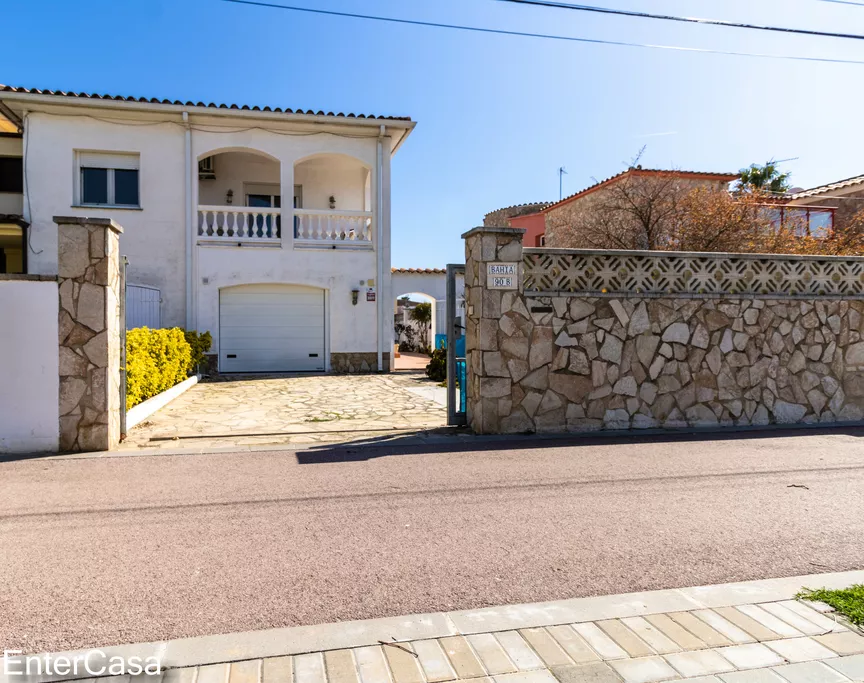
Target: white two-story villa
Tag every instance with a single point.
(269, 228)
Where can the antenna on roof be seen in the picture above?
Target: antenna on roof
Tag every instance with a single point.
(561, 173)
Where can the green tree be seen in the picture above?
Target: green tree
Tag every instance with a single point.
(422, 314)
(765, 178)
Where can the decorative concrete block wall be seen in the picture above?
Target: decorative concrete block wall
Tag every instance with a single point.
(659, 343)
(89, 331)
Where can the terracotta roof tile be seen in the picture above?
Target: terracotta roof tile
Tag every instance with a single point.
(822, 189)
(420, 271)
(211, 105)
(539, 206)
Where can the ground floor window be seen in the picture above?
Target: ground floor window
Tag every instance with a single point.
(13, 254)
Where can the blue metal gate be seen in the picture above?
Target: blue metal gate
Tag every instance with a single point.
(457, 375)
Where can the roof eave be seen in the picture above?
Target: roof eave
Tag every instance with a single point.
(206, 111)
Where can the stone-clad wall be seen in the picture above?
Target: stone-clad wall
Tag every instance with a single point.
(583, 363)
(89, 329)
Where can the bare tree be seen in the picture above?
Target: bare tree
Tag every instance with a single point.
(636, 212)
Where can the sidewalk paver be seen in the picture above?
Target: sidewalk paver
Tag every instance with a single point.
(672, 629)
(847, 643)
(644, 670)
(851, 667)
(724, 626)
(700, 629)
(810, 672)
(653, 636)
(652, 647)
(574, 645)
(435, 664)
(699, 663)
(626, 639)
(519, 652)
(800, 649)
(751, 656)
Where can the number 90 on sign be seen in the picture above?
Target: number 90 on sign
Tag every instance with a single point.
(502, 276)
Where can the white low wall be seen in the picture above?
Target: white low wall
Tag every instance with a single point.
(137, 414)
(29, 367)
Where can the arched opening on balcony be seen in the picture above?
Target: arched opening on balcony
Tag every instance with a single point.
(332, 201)
(239, 196)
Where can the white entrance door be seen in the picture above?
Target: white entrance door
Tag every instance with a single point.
(271, 328)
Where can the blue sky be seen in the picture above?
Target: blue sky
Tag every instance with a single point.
(497, 115)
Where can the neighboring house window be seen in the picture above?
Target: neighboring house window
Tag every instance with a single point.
(11, 174)
(108, 179)
(541, 240)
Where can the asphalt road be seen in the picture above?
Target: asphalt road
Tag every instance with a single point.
(127, 549)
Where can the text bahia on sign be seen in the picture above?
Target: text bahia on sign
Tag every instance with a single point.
(502, 275)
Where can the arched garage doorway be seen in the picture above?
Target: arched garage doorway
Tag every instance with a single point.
(272, 328)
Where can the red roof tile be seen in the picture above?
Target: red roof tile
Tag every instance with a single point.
(420, 271)
(729, 177)
(211, 105)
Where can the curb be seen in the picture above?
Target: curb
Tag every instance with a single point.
(137, 414)
(219, 649)
(463, 440)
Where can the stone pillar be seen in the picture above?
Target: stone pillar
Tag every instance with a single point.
(89, 277)
(488, 392)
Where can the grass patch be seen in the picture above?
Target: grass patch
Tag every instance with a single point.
(848, 601)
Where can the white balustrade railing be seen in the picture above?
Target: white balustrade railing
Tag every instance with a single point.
(239, 223)
(328, 226)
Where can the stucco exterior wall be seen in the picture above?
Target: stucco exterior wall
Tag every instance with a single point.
(29, 360)
(154, 236)
(341, 177)
(534, 225)
(233, 171)
(348, 328)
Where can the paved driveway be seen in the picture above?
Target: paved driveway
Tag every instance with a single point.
(256, 410)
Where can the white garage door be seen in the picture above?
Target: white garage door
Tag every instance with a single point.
(271, 328)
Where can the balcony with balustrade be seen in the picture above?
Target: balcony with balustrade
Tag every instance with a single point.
(241, 203)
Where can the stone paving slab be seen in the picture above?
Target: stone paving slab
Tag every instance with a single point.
(292, 410)
(662, 642)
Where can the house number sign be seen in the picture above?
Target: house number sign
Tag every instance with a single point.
(502, 275)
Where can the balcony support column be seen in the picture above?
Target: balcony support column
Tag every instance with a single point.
(286, 174)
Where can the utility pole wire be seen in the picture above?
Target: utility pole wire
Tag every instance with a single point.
(574, 39)
(691, 20)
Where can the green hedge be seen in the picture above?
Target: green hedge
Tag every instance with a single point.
(156, 360)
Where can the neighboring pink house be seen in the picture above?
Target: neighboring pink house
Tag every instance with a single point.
(525, 216)
(535, 228)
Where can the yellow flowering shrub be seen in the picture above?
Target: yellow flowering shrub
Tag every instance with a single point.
(156, 360)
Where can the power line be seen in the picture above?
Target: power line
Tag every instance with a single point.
(690, 20)
(594, 41)
(845, 2)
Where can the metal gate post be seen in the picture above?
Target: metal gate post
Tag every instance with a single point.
(123, 263)
(454, 416)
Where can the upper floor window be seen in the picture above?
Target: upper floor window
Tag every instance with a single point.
(11, 174)
(108, 179)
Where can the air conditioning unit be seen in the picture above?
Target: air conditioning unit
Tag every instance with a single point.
(207, 169)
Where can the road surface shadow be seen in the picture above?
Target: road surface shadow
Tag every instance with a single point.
(452, 439)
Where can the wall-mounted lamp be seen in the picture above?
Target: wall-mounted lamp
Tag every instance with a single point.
(229, 197)
(354, 294)
(332, 202)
